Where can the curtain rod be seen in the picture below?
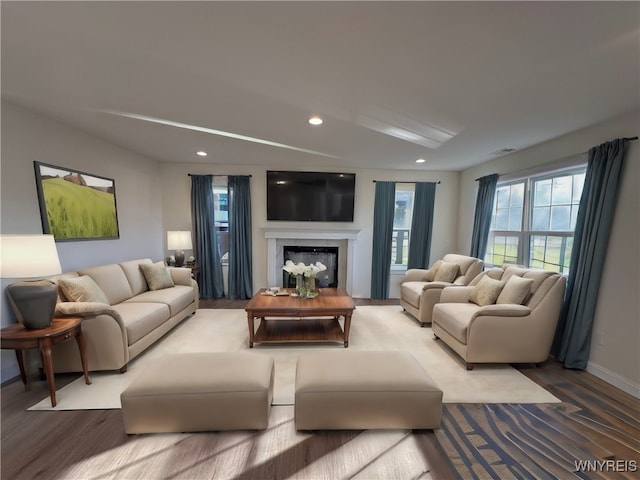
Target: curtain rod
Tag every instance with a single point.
(478, 179)
(401, 181)
(218, 175)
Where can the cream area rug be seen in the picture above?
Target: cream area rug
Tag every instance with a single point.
(372, 328)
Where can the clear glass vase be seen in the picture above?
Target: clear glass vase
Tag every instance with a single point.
(306, 286)
(299, 285)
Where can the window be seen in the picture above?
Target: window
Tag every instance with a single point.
(402, 224)
(534, 219)
(221, 217)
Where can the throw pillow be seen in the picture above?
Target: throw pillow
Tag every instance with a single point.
(516, 290)
(157, 275)
(514, 270)
(82, 289)
(447, 272)
(431, 273)
(495, 273)
(486, 292)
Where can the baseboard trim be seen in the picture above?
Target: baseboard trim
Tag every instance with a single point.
(614, 379)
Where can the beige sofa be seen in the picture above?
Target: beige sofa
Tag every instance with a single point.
(130, 317)
(420, 289)
(516, 326)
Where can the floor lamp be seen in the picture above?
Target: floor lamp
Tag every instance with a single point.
(30, 256)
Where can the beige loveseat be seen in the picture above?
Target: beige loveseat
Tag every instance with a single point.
(513, 321)
(121, 315)
(420, 289)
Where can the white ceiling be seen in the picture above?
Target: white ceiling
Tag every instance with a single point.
(387, 77)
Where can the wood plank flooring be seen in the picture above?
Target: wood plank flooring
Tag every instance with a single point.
(594, 422)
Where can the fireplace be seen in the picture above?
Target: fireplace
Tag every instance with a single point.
(345, 239)
(328, 256)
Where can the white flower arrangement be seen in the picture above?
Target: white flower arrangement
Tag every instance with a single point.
(310, 270)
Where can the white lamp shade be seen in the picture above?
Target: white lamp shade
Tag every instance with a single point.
(28, 256)
(179, 240)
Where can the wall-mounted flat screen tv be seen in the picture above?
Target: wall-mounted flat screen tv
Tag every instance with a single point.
(310, 196)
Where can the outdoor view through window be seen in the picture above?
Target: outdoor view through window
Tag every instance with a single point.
(534, 219)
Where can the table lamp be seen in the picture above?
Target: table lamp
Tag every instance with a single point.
(179, 240)
(30, 256)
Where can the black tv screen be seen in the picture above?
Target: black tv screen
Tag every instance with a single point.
(310, 196)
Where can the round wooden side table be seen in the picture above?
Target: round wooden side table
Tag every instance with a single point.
(19, 338)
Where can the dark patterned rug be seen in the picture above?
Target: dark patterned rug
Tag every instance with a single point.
(535, 441)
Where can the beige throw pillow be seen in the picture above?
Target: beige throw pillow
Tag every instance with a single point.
(82, 289)
(495, 273)
(516, 290)
(486, 292)
(431, 273)
(447, 272)
(157, 275)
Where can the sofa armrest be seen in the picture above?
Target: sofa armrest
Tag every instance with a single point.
(455, 294)
(504, 310)
(415, 275)
(436, 285)
(85, 309)
(181, 276)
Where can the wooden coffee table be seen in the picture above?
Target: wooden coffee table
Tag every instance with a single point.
(330, 305)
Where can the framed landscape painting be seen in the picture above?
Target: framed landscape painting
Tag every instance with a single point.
(76, 205)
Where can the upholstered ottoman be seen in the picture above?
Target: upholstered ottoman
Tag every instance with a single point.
(364, 390)
(197, 392)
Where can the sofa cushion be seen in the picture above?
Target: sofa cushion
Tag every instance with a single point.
(447, 272)
(455, 317)
(157, 275)
(463, 261)
(516, 291)
(430, 276)
(543, 281)
(495, 273)
(134, 275)
(486, 292)
(512, 270)
(82, 289)
(112, 280)
(177, 297)
(411, 292)
(141, 318)
(538, 277)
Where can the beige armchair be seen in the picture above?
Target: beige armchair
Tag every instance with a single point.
(420, 289)
(513, 320)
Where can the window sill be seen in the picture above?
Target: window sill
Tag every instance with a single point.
(397, 269)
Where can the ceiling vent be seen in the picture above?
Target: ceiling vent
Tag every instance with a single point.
(503, 151)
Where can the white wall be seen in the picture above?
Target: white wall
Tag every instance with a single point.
(27, 137)
(176, 206)
(617, 316)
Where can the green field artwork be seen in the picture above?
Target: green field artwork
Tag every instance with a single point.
(77, 206)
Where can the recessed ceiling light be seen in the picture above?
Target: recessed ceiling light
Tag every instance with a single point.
(201, 153)
(315, 120)
(420, 160)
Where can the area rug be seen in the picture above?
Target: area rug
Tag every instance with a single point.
(372, 328)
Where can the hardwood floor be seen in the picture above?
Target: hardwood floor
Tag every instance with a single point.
(594, 422)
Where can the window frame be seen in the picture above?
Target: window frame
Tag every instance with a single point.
(406, 187)
(525, 235)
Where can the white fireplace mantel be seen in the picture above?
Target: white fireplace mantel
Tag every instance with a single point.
(274, 234)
